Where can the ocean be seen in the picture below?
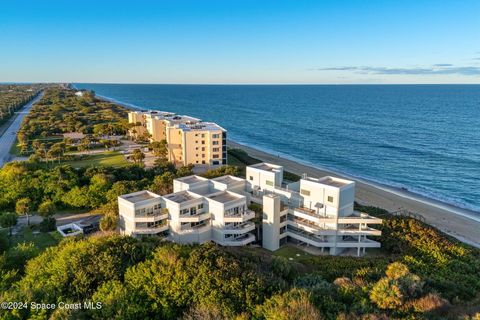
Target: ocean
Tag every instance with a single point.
(425, 138)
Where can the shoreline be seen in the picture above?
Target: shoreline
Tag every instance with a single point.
(460, 223)
(463, 224)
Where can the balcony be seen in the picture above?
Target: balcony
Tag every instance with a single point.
(200, 216)
(154, 230)
(365, 243)
(310, 227)
(307, 238)
(355, 230)
(311, 215)
(239, 217)
(152, 216)
(239, 229)
(360, 218)
(200, 228)
(238, 241)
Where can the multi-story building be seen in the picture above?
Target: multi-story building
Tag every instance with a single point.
(312, 212)
(199, 210)
(315, 212)
(142, 213)
(189, 140)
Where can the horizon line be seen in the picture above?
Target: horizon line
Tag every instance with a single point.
(234, 84)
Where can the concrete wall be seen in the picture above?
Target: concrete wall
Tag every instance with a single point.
(271, 222)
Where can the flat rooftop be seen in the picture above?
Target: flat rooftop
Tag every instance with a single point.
(227, 180)
(224, 197)
(180, 197)
(201, 126)
(266, 166)
(334, 182)
(139, 196)
(182, 119)
(191, 179)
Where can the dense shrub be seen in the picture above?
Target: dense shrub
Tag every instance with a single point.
(48, 224)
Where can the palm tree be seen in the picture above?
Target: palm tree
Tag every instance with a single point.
(22, 207)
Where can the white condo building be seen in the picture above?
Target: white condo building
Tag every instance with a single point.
(317, 213)
(199, 210)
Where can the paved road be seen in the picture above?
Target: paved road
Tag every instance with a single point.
(8, 137)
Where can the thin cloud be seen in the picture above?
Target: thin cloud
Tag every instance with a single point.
(437, 69)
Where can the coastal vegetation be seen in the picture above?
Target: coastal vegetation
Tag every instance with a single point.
(13, 97)
(154, 279)
(88, 122)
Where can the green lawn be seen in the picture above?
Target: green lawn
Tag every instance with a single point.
(107, 158)
(296, 254)
(41, 240)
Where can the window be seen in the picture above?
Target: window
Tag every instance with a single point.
(330, 199)
(200, 206)
(203, 141)
(215, 143)
(251, 178)
(216, 149)
(203, 148)
(305, 192)
(215, 136)
(203, 155)
(203, 135)
(269, 182)
(215, 156)
(203, 161)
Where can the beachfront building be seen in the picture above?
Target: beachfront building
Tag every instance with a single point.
(316, 214)
(189, 140)
(142, 213)
(199, 210)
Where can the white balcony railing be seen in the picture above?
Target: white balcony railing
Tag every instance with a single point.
(239, 229)
(240, 217)
(200, 216)
(238, 241)
(152, 230)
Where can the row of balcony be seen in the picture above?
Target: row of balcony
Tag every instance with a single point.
(329, 230)
(311, 215)
(321, 242)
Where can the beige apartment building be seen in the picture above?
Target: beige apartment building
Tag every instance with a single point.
(189, 140)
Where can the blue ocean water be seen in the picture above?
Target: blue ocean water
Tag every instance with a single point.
(422, 137)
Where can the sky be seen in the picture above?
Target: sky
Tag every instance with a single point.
(244, 41)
